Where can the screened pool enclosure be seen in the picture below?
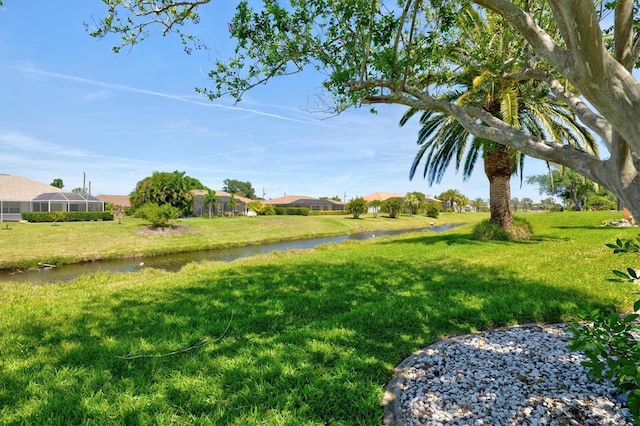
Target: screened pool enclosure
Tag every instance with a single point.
(66, 202)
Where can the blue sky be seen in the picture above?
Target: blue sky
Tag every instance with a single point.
(69, 105)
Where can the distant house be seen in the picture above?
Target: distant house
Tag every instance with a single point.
(222, 205)
(313, 204)
(384, 196)
(116, 200)
(19, 194)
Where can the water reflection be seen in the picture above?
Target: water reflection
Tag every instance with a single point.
(173, 262)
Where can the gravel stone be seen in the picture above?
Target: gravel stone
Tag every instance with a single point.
(523, 375)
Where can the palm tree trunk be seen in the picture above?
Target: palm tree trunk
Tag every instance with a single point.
(498, 168)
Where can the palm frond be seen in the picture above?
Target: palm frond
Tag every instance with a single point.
(509, 107)
(407, 115)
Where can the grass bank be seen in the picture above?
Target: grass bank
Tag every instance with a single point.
(26, 244)
(298, 338)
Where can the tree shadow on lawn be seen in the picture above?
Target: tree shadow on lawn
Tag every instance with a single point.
(597, 227)
(312, 342)
(452, 239)
(427, 237)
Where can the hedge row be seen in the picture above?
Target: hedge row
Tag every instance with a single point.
(327, 213)
(65, 216)
(292, 211)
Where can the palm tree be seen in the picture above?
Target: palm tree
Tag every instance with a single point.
(478, 203)
(413, 202)
(527, 106)
(527, 204)
(453, 197)
(375, 205)
(232, 203)
(210, 200)
(393, 206)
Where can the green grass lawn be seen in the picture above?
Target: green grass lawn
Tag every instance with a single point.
(301, 338)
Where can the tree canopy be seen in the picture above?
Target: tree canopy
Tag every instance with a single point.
(57, 182)
(171, 188)
(573, 188)
(375, 52)
(356, 207)
(237, 187)
(454, 199)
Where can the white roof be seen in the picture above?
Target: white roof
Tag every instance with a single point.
(18, 188)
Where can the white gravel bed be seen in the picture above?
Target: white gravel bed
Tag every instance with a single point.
(523, 375)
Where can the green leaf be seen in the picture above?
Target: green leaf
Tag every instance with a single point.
(632, 273)
(634, 404)
(620, 274)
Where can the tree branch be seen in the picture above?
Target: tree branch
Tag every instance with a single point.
(587, 65)
(591, 119)
(541, 42)
(484, 125)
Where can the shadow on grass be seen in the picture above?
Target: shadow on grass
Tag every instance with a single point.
(593, 228)
(307, 340)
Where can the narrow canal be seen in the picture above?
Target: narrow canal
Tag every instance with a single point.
(173, 262)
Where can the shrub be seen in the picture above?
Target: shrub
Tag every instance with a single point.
(118, 212)
(65, 216)
(607, 340)
(268, 210)
(292, 211)
(158, 215)
(327, 213)
(557, 208)
(356, 207)
(393, 206)
(521, 230)
(298, 211)
(433, 210)
(261, 209)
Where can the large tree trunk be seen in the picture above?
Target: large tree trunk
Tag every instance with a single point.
(498, 168)
(628, 193)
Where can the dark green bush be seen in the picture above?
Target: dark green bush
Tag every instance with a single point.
(268, 210)
(65, 216)
(356, 207)
(521, 230)
(433, 210)
(392, 206)
(608, 341)
(158, 215)
(292, 211)
(327, 213)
